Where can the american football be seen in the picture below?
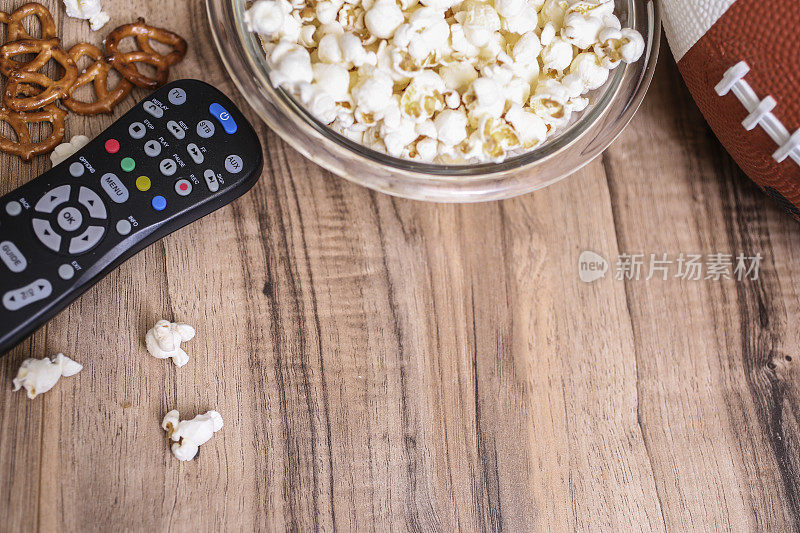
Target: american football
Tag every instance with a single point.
(741, 63)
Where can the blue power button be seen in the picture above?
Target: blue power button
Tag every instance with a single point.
(224, 118)
(159, 203)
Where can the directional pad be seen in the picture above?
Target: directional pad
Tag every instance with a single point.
(92, 202)
(45, 233)
(53, 199)
(86, 240)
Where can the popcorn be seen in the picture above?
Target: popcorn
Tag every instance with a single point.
(617, 46)
(479, 21)
(64, 151)
(265, 17)
(581, 30)
(90, 10)
(332, 79)
(383, 18)
(587, 67)
(530, 129)
(188, 435)
(557, 55)
(485, 98)
(445, 81)
(451, 126)
(164, 341)
(523, 22)
(38, 376)
(423, 97)
(291, 64)
(372, 92)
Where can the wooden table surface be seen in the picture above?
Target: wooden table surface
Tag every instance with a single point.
(384, 364)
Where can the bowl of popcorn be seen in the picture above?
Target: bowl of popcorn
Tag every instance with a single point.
(442, 100)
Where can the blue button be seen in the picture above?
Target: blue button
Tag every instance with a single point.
(224, 118)
(159, 203)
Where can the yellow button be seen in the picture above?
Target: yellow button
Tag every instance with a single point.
(143, 183)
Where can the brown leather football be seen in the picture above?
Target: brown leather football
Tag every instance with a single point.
(741, 62)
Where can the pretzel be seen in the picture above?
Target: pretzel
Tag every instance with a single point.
(28, 74)
(16, 31)
(97, 74)
(124, 62)
(24, 147)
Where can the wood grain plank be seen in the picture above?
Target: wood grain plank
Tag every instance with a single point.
(713, 411)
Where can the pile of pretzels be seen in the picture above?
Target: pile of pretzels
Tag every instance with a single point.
(31, 97)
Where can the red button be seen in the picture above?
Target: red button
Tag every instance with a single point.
(112, 146)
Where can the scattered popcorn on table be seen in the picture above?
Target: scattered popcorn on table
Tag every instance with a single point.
(445, 81)
(40, 375)
(164, 341)
(90, 10)
(64, 151)
(188, 435)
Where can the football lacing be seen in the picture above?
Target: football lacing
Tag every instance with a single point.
(760, 112)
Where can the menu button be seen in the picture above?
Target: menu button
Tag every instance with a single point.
(114, 188)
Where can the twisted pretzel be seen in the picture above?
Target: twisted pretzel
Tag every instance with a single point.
(16, 31)
(125, 62)
(27, 74)
(24, 147)
(97, 74)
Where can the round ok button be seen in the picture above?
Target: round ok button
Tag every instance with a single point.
(70, 219)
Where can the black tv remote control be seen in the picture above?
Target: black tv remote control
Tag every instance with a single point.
(179, 154)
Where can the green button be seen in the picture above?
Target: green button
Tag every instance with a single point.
(128, 164)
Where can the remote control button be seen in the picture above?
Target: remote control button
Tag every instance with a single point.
(183, 187)
(152, 148)
(86, 240)
(12, 257)
(195, 153)
(112, 146)
(176, 130)
(70, 219)
(45, 233)
(153, 109)
(114, 188)
(211, 180)
(233, 164)
(127, 164)
(124, 227)
(137, 130)
(77, 169)
(92, 202)
(19, 298)
(168, 167)
(13, 208)
(224, 118)
(53, 199)
(66, 271)
(205, 129)
(177, 96)
(143, 183)
(159, 203)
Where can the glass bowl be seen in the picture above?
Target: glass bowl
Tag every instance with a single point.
(612, 107)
